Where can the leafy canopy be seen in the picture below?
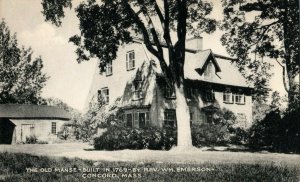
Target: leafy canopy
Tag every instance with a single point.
(21, 77)
(261, 30)
(108, 24)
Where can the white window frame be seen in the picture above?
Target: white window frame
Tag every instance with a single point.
(169, 92)
(105, 94)
(130, 60)
(227, 97)
(109, 69)
(170, 117)
(53, 128)
(138, 92)
(239, 98)
(208, 73)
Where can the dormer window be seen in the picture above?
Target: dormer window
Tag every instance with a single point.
(130, 60)
(109, 68)
(208, 73)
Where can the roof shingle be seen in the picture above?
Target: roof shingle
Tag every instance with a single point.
(26, 111)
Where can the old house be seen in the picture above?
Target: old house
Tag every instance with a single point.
(18, 122)
(213, 82)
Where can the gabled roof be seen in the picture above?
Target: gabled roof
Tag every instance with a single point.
(27, 111)
(196, 62)
(204, 58)
(226, 71)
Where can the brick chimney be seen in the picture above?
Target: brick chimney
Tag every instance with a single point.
(195, 43)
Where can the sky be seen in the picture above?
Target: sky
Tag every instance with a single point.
(70, 81)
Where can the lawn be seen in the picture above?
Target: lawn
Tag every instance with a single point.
(28, 167)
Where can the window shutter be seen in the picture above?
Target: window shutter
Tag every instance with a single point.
(127, 66)
(136, 119)
(244, 98)
(147, 119)
(232, 98)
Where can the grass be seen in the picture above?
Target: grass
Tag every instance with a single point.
(13, 168)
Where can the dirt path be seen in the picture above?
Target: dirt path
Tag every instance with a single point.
(85, 151)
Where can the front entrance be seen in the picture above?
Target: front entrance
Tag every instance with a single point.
(27, 130)
(142, 120)
(6, 131)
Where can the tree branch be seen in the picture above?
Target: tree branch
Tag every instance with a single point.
(142, 27)
(157, 53)
(283, 76)
(259, 6)
(265, 27)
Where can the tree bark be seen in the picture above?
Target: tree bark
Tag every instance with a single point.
(184, 136)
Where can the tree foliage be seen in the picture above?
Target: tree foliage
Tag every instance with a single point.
(72, 128)
(262, 30)
(106, 25)
(21, 76)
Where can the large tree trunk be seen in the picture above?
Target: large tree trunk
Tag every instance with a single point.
(293, 93)
(184, 137)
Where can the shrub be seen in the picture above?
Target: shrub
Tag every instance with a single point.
(119, 137)
(31, 139)
(263, 133)
(41, 142)
(64, 134)
(224, 129)
(209, 134)
(289, 133)
(239, 135)
(276, 133)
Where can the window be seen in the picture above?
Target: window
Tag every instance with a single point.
(227, 97)
(209, 71)
(169, 92)
(209, 95)
(240, 98)
(53, 127)
(130, 60)
(129, 121)
(189, 92)
(137, 118)
(103, 95)
(138, 92)
(109, 70)
(191, 116)
(170, 117)
(142, 120)
(209, 117)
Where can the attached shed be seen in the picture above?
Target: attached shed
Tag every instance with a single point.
(19, 121)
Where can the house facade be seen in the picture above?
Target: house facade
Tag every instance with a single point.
(134, 79)
(18, 122)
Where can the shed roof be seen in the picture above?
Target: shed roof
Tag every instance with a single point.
(27, 111)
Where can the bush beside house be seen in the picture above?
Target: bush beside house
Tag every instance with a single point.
(276, 133)
(223, 131)
(119, 137)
